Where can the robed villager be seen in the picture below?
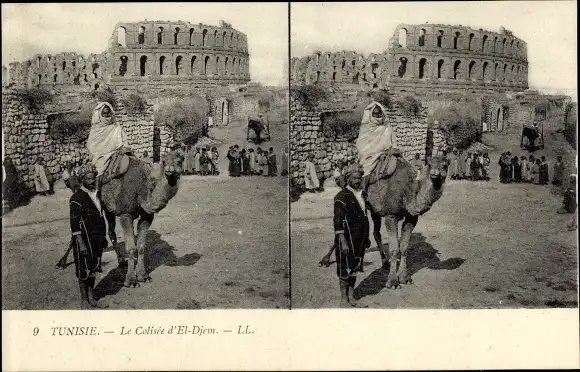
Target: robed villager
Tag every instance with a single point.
(351, 235)
(89, 232)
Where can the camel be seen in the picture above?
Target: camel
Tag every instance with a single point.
(404, 197)
(138, 194)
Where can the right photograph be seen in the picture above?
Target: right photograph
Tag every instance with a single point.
(433, 159)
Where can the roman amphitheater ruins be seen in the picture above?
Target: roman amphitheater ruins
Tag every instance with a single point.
(427, 57)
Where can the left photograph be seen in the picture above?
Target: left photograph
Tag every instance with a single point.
(145, 156)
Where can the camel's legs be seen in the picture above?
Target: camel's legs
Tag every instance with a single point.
(408, 225)
(378, 238)
(112, 223)
(392, 225)
(127, 225)
(142, 226)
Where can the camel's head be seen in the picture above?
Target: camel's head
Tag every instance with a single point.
(173, 165)
(437, 167)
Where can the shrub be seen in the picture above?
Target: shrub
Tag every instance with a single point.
(34, 98)
(186, 112)
(409, 105)
(72, 123)
(106, 95)
(461, 122)
(308, 95)
(382, 96)
(134, 104)
(341, 124)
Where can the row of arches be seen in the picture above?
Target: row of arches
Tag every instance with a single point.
(460, 69)
(178, 36)
(468, 41)
(183, 65)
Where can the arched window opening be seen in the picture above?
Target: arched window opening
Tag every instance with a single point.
(161, 63)
(374, 69)
(421, 40)
(85, 79)
(503, 46)
(403, 37)
(355, 78)
(205, 63)
(123, 66)
(375, 85)
(74, 64)
(484, 40)
(402, 70)
(471, 70)
(178, 65)
(457, 70)
(364, 76)
(176, 36)
(191, 36)
(97, 86)
(226, 65)
(317, 76)
(422, 63)
(95, 72)
(160, 36)
(495, 44)
(440, 39)
(204, 38)
(234, 71)
(504, 71)
(232, 40)
(317, 59)
(143, 65)
(122, 36)
(334, 76)
(215, 38)
(217, 65)
(77, 80)
(440, 69)
(64, 65)
(353, 63)
(343, 64)
(470, 40)
(485, 77)
(512, 73)
(38, 62)
(456, 40)
(224, 39)
(141, 36)
(55, 78)
(495, 75)
(192, 65)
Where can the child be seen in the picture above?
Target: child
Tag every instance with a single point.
(544, 178)
(258, 164)
(525, 170)
(531, 162)
(486, 164)
(264, 163)
(558, 171)
(535, 171)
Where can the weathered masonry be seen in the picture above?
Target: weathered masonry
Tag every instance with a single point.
(427, 57)
(159, 53)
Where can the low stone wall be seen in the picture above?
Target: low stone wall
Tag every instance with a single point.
(307, 136)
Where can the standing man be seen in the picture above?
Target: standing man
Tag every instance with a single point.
(351, 235)
(40, 180)
(89, 233)
(311, 181)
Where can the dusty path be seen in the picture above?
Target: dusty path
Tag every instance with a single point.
(220, 243)
(484, 244)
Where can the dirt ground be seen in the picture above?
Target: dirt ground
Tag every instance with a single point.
(220, 243)
(482, 245)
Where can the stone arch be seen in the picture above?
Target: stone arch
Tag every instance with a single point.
(403, 37)
(178, 64)
(226, 64)
(161, 64)
(504, 71)
(217, 65)
(232, 40)
(141, 35)
(440, 69)
(176, 36)
(421, 40)
(95, 70)
(143, 65)
(494, 44)
(192, 68)
(471, 70)
(457, 70)
(204, 38)
(456, 39)
(191, 31)
(483, 41)
(503, 45)
(63, 65)
(160, 35)
(123, 65)
(484, 71)
(234, 72)
(343, 63)
(512, 76)
(317, 76)
(122, 36)
(422, 64)
(499, 119)
(224, 39)
(334, 76)
(402, 69)
(205, 63)
(55, 78)
(440, 39)
(470, 40)
(215, 38)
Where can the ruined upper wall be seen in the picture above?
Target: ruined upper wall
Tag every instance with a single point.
(152, 53)
(426, 57)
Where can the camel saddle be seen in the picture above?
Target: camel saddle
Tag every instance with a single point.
(117, 166)
(385, 167)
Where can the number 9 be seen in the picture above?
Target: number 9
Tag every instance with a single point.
(35, 331)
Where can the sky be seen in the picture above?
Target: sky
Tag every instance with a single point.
(548, 27)
(28, 29)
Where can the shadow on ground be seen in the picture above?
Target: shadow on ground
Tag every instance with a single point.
(420, 255)
(159, 253)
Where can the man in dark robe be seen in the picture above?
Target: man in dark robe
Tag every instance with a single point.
(351, 229)
(89, 233)
(234, 158)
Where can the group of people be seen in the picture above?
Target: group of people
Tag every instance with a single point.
(201, 161)
(464, 165)
(529, 169)
(255, 163)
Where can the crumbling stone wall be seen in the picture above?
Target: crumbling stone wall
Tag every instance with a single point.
(307, 136)
(421, 58)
